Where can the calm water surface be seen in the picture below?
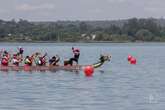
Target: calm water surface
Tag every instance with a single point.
(116, 86)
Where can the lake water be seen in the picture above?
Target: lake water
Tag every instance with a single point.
(117, 85)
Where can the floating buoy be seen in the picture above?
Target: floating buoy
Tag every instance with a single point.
(133, 61)
(129, 57)
(88, 70)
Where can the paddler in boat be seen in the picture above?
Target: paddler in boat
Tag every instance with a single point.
(28, 61)
(76, 55)
(5, 58)
(39, 59)
(54, 61)
(16, 59)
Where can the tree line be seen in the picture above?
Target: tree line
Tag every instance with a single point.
(130, 30)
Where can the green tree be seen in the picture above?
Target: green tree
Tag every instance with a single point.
(144, 35)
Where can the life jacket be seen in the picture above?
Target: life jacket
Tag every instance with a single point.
(40, 61)
(28, 61)
(5, 61)
(15, 61)
(76, 53)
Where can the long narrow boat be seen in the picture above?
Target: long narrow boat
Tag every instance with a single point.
(53, 68)
(41, 68)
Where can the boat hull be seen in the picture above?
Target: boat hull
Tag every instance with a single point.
(41, 68)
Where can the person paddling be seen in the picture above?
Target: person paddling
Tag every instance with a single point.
(40, 60)
(5, 58)
(16, 59)
(54, 60)
(28, 60)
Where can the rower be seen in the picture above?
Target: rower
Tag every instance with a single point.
(40, 60)
(15, 60)
(75, 58)
(4, 61)
(5, 53)
(5, 58)
(28, 60)
(54, 60)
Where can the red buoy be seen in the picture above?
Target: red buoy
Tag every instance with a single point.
(133, 61)
(88, 70)
(129, 57)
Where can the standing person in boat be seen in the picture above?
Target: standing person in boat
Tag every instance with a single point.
(76, 55)
(54, 61)
(5, 58)
(39, 59)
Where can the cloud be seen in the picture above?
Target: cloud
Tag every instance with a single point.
(95, 11)
(2, 11)
(28, 7)
(155, 7)
(117, 1)
(80, 9)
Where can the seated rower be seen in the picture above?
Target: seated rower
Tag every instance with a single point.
(40, 60)
(28, 60)
(16, 60)
(54, 60)
(76, 53)
(5, 59)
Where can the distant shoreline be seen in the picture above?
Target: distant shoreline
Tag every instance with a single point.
(81, 42)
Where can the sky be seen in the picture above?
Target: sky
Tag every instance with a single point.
(53, 10)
